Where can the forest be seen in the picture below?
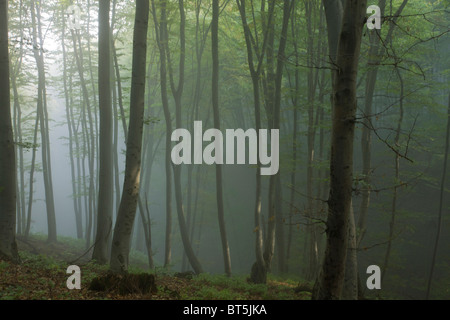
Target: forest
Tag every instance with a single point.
(224, 150)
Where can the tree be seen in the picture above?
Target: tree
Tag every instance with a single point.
(259, 271)
(330, 281)
(73, 139)
(128, 204)
(105, 196)
(8, 246)
(38, 52)
(161, 38)
(215, 103)
(273, 110)
(373, 63)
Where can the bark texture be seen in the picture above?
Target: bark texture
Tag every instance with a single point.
(8, 246)
(331, 278)
(128, 204)
(105, 193)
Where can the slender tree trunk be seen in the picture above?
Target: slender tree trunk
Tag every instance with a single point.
(21, 208)
(275, 180)
(366, 137)
(105, 197)
(215, 103)
(127, 210)
(161, 36)
(294, 139)
(259, 271)
(33, 165)
(41, 108)
(177, 92)
(396, 180)
(115, 143)
(17, 123)
(77, 149)
(119, 91)
(77, 209)
(311, 228)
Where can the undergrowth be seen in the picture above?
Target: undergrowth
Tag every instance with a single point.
(42, 275)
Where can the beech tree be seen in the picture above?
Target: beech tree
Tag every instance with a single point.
(346, 51)
(215, 103)
(8, 246)
(128, 204)
(105, 196)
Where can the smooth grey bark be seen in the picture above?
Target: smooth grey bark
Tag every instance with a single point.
(77, 148)
(276, 179)
(128, 204)
(200, 41)
(8, 246)
(119, 90)
(44, 128)
(115, 141)
(115, 98)
(215, 103)
(312, 78)
(17, 123)
(77, 208)
(177, 92)
(330, 281)
(144, 231)
(334, 12)
(350, 289)
(21, 207)
(105, 193)
(272, 88)
(88, 133)
(161, 36)
(31, 180)
(294, 101)
(259, 271)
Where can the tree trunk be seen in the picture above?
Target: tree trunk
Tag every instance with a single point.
(396, 180)
(331, 278)
(258, 272)
(31, 192)
(366, 137)
(8, 246)
(105, 196)
(128, 204)
(41, 109)
(215, 103)
(275, 182)
(161, 36)
(312, 78)
(77, 209)
(294, 100)
(350, 289)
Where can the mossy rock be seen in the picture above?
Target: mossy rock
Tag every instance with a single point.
(142, 283)
(185, 275)
(303, 287)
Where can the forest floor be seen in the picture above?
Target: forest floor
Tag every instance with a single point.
(41, 275)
